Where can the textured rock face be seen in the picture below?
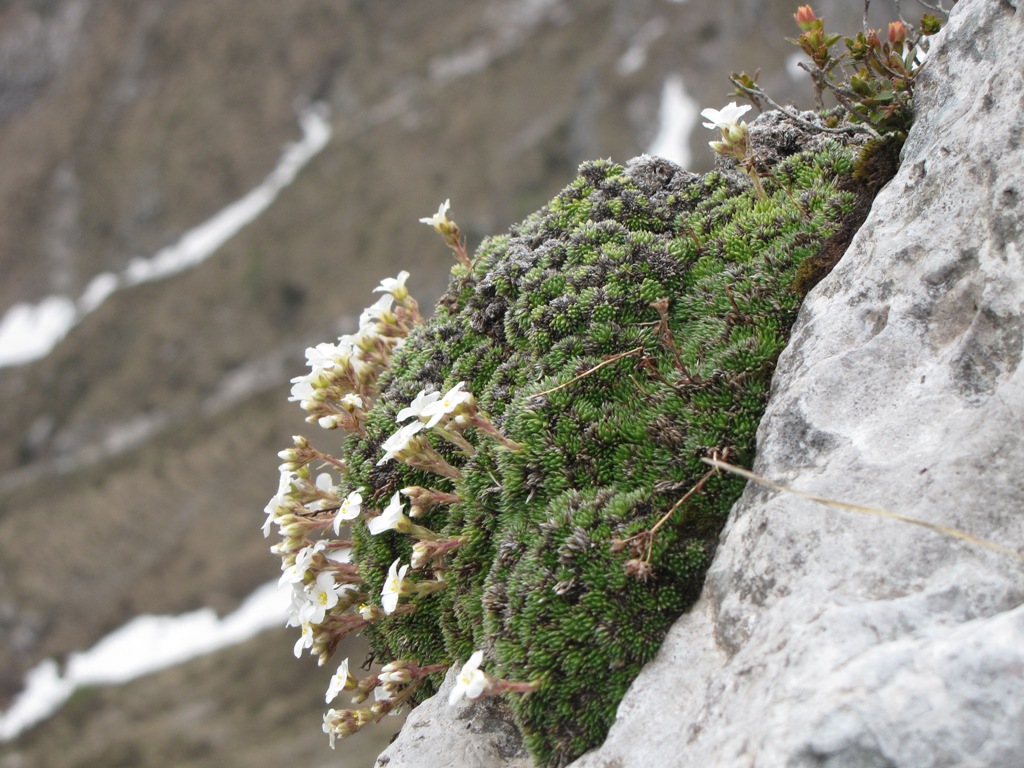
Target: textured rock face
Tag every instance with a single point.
(828, 638)
(465, 736)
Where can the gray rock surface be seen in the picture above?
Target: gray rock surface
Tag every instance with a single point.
(831, 638)
(437, 735)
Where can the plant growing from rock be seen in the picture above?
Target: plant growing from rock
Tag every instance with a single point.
(872, 80)
(520, 489)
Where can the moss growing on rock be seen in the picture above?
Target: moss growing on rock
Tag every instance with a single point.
(618, 336)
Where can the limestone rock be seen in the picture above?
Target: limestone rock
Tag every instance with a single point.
(828, 638)
(831, 638)
(436, 735)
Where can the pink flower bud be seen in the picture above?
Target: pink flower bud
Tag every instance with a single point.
(897, 32)
(805, 17)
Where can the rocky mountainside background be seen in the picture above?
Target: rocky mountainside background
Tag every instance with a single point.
(136, 457)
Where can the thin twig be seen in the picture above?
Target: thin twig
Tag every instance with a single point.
(792, 113)
(610, 360)
(647, 536)
(941, 529)
(637, 384)
(686, 496)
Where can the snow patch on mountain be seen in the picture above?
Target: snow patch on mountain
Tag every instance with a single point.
(30, 331)
(677, 117)
(144, 645)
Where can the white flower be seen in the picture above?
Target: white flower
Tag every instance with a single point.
(338, 682)
(349, 510)
(399, 441)
(348, 342)
(295, 573)
(325, 485)
(439, 219)
(393, 587)
(393, 517)
(351, 401)
(302, 390)
(291, 575)
(305, 639)
(471, 681)
(729, 115)
(375, 313)
(284, 487)
(416, 407)
(322, 596)
(452, 399)
(394, 285)
(343, 555)
(296, 606)
(330, 716)
(325, 355)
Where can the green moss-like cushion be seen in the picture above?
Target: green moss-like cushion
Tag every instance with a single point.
(541, 585)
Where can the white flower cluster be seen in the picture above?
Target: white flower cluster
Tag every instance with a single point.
(329, 596)
(342, 382)
(318, 570)
(337, 392)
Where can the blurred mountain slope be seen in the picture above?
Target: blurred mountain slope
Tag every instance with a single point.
(202, 715)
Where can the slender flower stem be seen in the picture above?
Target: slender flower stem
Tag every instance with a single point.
(486, 426)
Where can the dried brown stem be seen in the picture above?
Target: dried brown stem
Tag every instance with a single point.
(574, 379)
(936, 527)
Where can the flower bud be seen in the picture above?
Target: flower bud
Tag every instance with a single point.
(359, 696)
(858, 47)
(291, 526)
(421, 552)
(370, 612)
(860, 82)
(736, 133)
(396, 672)
(805, 17)
(930, 24)
(423, 499)
(897, 32)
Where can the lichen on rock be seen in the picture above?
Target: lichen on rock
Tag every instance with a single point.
(616, 338)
